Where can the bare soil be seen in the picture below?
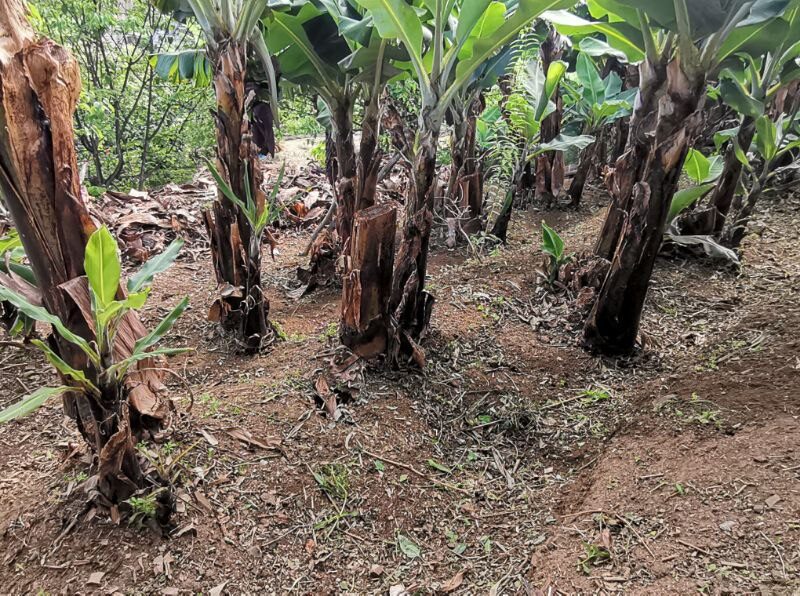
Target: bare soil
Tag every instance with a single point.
(515, 463)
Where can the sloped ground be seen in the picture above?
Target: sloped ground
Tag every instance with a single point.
(493, 471)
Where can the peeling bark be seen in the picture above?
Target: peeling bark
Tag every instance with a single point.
(410, 304)
(630, 167)
(354, 178)
(242, 307)
(369, 154)
(613, 323)
(630, 80)
(347, 176)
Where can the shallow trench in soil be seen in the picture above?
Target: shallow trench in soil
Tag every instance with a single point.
(515, 463)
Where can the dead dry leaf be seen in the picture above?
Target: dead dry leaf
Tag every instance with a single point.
(203, 502)
(246, 437)
(454, 582)
(210, 439)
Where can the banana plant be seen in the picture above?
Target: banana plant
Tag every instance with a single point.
(39, 89)
(15, 273)
(444, 54)
(230, 20)
(259, 216)
(774, 140)
(464, 194)
(756, 78)
(596, 102)
(682, 42)
(553, 247)
(102, 386)
(232, 30)
(332, 49)
(526, 109)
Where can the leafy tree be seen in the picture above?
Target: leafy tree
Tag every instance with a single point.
(704, 173)
(132, 127)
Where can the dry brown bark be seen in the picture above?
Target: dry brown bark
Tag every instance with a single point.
(369, 154)
(613, 323)
(242, 307)
(410, 304)
(629, 168)
(630, 80)
(585, 162)
(465, 186)
(39, 180)
(366, 324)
(357, 177)
(347, 170)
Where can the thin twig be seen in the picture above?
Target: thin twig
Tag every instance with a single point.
(694, 547)
(408, 467)
(15, 344)
(777, 551)
(641, 539)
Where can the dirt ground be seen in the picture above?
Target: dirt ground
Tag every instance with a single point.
(515, 463)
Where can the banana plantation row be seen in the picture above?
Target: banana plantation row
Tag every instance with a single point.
(689, 106)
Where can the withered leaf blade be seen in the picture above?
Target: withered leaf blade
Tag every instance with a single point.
(453, 583)
(210, 439)
(247, 438)
(327, 396)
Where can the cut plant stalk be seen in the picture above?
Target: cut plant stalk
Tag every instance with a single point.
(341, 64)
(366, 324)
